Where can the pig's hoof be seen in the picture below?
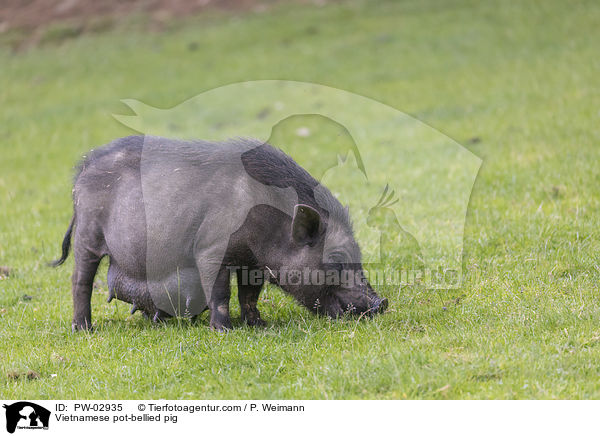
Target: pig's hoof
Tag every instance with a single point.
(84, 325)
(251, 316)
(220, 327)
(255, 322)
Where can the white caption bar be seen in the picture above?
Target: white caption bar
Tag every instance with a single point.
(150, 417)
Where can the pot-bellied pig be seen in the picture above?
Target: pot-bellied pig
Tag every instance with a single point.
(177, 218)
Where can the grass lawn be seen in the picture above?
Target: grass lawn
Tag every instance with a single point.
(517, 83)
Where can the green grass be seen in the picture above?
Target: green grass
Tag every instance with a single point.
(515, 82)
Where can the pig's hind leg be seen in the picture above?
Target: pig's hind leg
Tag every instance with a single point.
(87, 252)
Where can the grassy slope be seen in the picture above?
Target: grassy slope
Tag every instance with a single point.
(523, 78)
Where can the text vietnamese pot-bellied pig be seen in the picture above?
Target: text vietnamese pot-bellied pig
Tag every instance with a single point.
(177, 218)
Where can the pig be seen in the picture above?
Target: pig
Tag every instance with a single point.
(177, 219)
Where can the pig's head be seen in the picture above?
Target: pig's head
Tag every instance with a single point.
(323, 268)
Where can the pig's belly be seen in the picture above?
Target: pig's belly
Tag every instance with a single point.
(178, 293)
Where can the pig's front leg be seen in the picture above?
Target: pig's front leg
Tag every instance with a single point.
(219, 302)
(248, 296)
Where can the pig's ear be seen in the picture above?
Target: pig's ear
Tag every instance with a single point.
(306, 225)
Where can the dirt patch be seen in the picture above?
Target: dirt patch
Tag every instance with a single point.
(33, 14)
(31, 20)
(29, 375)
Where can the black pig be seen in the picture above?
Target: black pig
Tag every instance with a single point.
(176, 218)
